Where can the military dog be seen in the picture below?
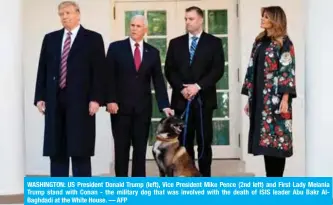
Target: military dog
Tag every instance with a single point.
(171, 158)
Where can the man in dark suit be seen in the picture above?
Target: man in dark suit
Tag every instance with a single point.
(69, 92)
(132, 64)
(194, 64)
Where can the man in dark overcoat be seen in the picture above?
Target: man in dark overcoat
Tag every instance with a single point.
(69, 92)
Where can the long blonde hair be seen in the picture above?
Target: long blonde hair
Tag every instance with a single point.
(278, 19)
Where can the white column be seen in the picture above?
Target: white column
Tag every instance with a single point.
(12, 165)
(319, 88)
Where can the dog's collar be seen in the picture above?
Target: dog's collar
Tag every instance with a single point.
(174, 139)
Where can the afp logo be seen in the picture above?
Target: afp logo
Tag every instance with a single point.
(121, 199)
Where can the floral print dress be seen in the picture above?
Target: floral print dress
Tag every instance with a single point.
(270, 74)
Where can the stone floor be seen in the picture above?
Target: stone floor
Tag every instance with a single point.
(219, 168)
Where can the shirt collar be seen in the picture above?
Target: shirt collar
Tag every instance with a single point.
(191, 35)
(74, 31)
(133, 42)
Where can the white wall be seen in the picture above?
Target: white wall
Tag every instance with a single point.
(40, 17)
(318, 96)
(249, 28)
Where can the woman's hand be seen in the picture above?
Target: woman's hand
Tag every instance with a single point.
(246, 109)
(284, 104)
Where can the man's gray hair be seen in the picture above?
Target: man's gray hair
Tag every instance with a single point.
(69, 3)
(142, 17)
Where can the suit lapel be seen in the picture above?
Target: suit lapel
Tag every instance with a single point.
(199, 47)
(186, 50)
(78, 42)
(58, 46)
(129, 54)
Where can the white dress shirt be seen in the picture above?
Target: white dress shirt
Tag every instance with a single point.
(73, 36)
(190, 39)
(133, 47)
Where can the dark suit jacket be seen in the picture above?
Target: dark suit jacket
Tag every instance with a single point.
(206, 69)
(85, 66)
(129, 88)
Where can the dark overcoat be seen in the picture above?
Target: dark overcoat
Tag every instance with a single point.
(271, 131)
(85, 67)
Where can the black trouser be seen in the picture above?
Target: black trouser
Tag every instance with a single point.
(132, 129)
(274, 166)
(194, 131)
(81, 166)
(59, 167)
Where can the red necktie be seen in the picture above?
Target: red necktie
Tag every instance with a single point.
(137, 57)
(63, 67)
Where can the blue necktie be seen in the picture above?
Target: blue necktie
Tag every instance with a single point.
(193, 47)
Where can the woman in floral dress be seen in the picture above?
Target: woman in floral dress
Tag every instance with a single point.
(270, 86)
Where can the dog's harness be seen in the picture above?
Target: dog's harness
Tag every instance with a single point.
(186, 113)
